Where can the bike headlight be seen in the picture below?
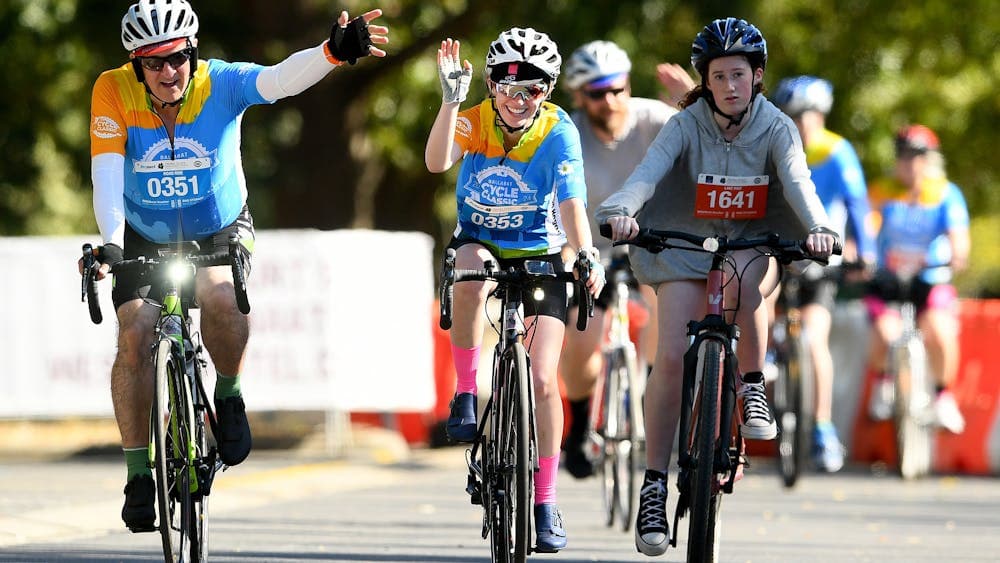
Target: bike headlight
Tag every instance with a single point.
(711, 244)
(179, 271)
(538, 294)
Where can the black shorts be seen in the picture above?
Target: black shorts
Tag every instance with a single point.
(603, 300)
(822, 291)
(136, 285)
(554, 302)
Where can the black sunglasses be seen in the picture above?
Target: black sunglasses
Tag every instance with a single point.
(599, 94)
(175, 60)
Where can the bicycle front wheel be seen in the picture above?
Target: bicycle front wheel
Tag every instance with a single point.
(913, 431)
(610, 430)
(793, 403)
(171, 422)
(510, 534)
(706, 497)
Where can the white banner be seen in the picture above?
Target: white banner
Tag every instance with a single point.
(340, 320)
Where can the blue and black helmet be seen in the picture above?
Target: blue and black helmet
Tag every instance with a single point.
(725, 37)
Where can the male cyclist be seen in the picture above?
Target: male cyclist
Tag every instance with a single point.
(924, 229)
(615, 130)
(166, 167)
(840, 185)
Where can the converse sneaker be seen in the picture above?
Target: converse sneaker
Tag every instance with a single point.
(651, 532)
(758, 424)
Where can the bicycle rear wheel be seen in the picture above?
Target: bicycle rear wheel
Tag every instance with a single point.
(610, 431)
(171, 422)
(510, 530)
(705, 494)
(793, 403)
(913, 431)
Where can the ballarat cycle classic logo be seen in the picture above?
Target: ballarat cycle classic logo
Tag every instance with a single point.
(104, 127)
(499, 198)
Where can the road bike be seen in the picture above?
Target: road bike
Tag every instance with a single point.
(711, 453)
(184, 462)
(504, 455)
(792, 398)
(615, 430)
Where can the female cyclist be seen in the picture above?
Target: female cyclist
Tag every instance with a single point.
(728, 132)
(521, 194)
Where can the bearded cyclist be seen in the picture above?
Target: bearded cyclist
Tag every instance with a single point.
(165, 154)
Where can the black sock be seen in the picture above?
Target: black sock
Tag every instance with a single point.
(654, 475)
(579, 411)
(753, 377)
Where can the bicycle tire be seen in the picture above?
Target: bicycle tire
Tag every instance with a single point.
(199, 544)
(793, 402)
(705, 495)
(633, 452)
(510, 533)
(610, 490)
(913, 434)
(170, 430)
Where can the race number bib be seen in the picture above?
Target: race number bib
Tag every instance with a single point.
(171, 184)
(731, 197)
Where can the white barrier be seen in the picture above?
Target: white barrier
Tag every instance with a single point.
(340, 320)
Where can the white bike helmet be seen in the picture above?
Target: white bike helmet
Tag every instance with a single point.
(803, 93)
(148, 22)
(523, 45)
(595, 60)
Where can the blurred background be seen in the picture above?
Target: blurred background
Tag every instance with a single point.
(348, 153)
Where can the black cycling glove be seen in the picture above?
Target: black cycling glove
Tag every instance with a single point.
(110, 254)
(351, 42)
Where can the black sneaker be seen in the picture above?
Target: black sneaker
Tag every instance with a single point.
(758, 424)
(234, 439)
(652, 534)
(576, 461)
(139, 512)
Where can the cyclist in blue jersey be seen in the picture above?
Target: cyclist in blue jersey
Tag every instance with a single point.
(166, 167)
(520, 194)
(924, 230)
(840, 185)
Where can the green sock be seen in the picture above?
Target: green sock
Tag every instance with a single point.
(137, 462)
(226, 386)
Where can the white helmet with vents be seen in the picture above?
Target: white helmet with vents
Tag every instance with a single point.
(595, 60)
(524, 45)
(148, 22)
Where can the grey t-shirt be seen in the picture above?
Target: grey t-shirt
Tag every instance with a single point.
(607, 165)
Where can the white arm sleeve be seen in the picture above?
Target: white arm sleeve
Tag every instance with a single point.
(294, 74)
(107, 172)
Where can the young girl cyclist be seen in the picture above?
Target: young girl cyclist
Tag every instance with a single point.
(730, 131)
(520, 195)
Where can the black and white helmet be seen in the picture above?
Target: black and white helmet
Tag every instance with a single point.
(595, 60)
(148, 22)
(524, 45)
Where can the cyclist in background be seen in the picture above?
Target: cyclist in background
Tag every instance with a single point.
(615, 131)
(729, 131)
(840, 185)
(924, 221)
(165, 131)
(520, 195)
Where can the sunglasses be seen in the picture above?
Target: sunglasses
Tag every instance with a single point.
(526, 91)
(175, 60)
(600, 94)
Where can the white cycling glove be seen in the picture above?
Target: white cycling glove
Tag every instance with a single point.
(455, 80)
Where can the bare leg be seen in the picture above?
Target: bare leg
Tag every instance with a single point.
(224, 328)
(581, 361)
(817, 319)
(132, 372)
(545, 340)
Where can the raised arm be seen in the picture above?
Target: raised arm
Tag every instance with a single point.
(441, 151)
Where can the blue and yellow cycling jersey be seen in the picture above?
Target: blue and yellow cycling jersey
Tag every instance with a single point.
(190, 186)
(914, 233)
(840, 185)
(509, 200)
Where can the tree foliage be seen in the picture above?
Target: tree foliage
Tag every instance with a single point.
(349, 151)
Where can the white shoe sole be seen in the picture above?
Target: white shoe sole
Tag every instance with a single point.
(759, 432)
(651, 549)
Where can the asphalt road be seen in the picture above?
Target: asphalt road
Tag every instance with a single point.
(290, 506)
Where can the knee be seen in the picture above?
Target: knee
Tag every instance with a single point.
(546, 387)
(217, 298)
(134, 342)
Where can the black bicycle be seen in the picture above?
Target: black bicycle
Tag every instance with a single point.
(710, 444)
(180, 454)
(504, 455)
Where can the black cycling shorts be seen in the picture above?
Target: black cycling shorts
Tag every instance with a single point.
(822, 291)
(554, 302)
(136, 285)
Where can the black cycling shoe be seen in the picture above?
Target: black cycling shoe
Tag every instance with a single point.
(462, 419)
(234, 441)
(139, 512)
(576, 460)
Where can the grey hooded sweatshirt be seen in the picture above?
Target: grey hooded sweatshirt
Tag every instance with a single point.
(660, 193)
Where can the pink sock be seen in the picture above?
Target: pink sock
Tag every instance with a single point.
(466, 365)
(545, 480)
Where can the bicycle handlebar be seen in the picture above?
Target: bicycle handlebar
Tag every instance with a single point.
(784, 250)
(143, 264)
(514, 276)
